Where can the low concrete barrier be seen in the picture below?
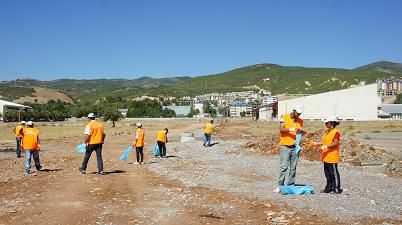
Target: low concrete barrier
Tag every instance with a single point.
(187, 137)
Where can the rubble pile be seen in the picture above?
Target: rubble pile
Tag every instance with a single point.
(352, 151)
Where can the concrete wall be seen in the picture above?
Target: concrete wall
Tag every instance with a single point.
(359, 103)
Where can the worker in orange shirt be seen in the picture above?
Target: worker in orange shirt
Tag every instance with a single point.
(330, 155)
(31, 145)
(139, 143)
(290, 124)
(161, 140)
(208, 128)
(18, 137)
(94, 137)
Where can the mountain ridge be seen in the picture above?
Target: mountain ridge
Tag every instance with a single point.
(276, 78)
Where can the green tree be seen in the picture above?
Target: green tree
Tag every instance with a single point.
(193, 112)
(242, 114)
(224, 111)
(112, 115)
(398, 99)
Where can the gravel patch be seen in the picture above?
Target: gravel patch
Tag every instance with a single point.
(227, 166)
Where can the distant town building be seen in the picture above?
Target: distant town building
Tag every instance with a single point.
(238, 109)
(123, 112)
(142, 98)
(267, 100)
(268, 112)
(389, 87)
(199, 105)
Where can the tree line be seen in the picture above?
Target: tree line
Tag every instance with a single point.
(107, 107)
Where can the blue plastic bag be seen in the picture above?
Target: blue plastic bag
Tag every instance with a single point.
(125, 154)
(296, 190)
(80, 148)
(156, 150)
(298, 139)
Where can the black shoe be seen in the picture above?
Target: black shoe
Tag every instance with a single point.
(338, 191)
(325, 191)
(101, 173)
(81, 170)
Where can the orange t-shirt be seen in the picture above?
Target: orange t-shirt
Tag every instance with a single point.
(330, 155)
(139, 136)
(30, 139)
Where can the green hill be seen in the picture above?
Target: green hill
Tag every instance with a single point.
(383, 66)
(276, 78)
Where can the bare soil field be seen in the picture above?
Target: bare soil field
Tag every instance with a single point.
(225, 184)
(389, 141)
(43, 95)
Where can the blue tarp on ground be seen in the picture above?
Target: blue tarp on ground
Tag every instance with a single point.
(296, 190)
(155, 149)
(80, 148)
(125, 154)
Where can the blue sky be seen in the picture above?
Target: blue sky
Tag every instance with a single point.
(88, 39)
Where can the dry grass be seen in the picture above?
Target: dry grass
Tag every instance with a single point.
(227, 127)
(75, 129)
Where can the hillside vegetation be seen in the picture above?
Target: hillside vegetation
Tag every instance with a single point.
(383, 66)
(276, 78)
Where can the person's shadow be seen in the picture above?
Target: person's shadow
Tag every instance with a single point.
(50, 170)
(110, 172)
(215, 143)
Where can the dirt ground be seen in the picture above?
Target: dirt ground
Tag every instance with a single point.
(59, 194)
(391, 141)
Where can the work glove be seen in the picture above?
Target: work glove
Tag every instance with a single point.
(324, 147)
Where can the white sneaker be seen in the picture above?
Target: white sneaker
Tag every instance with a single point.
(277, 190)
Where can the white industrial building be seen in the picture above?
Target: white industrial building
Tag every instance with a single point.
(358, 103)
(6, 106)
(390, 111)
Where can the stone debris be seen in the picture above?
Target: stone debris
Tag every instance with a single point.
(352, 151)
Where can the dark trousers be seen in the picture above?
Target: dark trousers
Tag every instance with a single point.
(18, 139)
(333, 178)
(140, 154)
(207, 139)
(98, 149)
(162, 148)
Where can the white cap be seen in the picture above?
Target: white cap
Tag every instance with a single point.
(139, 124)
(298, 109)
(23, 122)
(91, 115)
(331, 119)
(29, 123)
